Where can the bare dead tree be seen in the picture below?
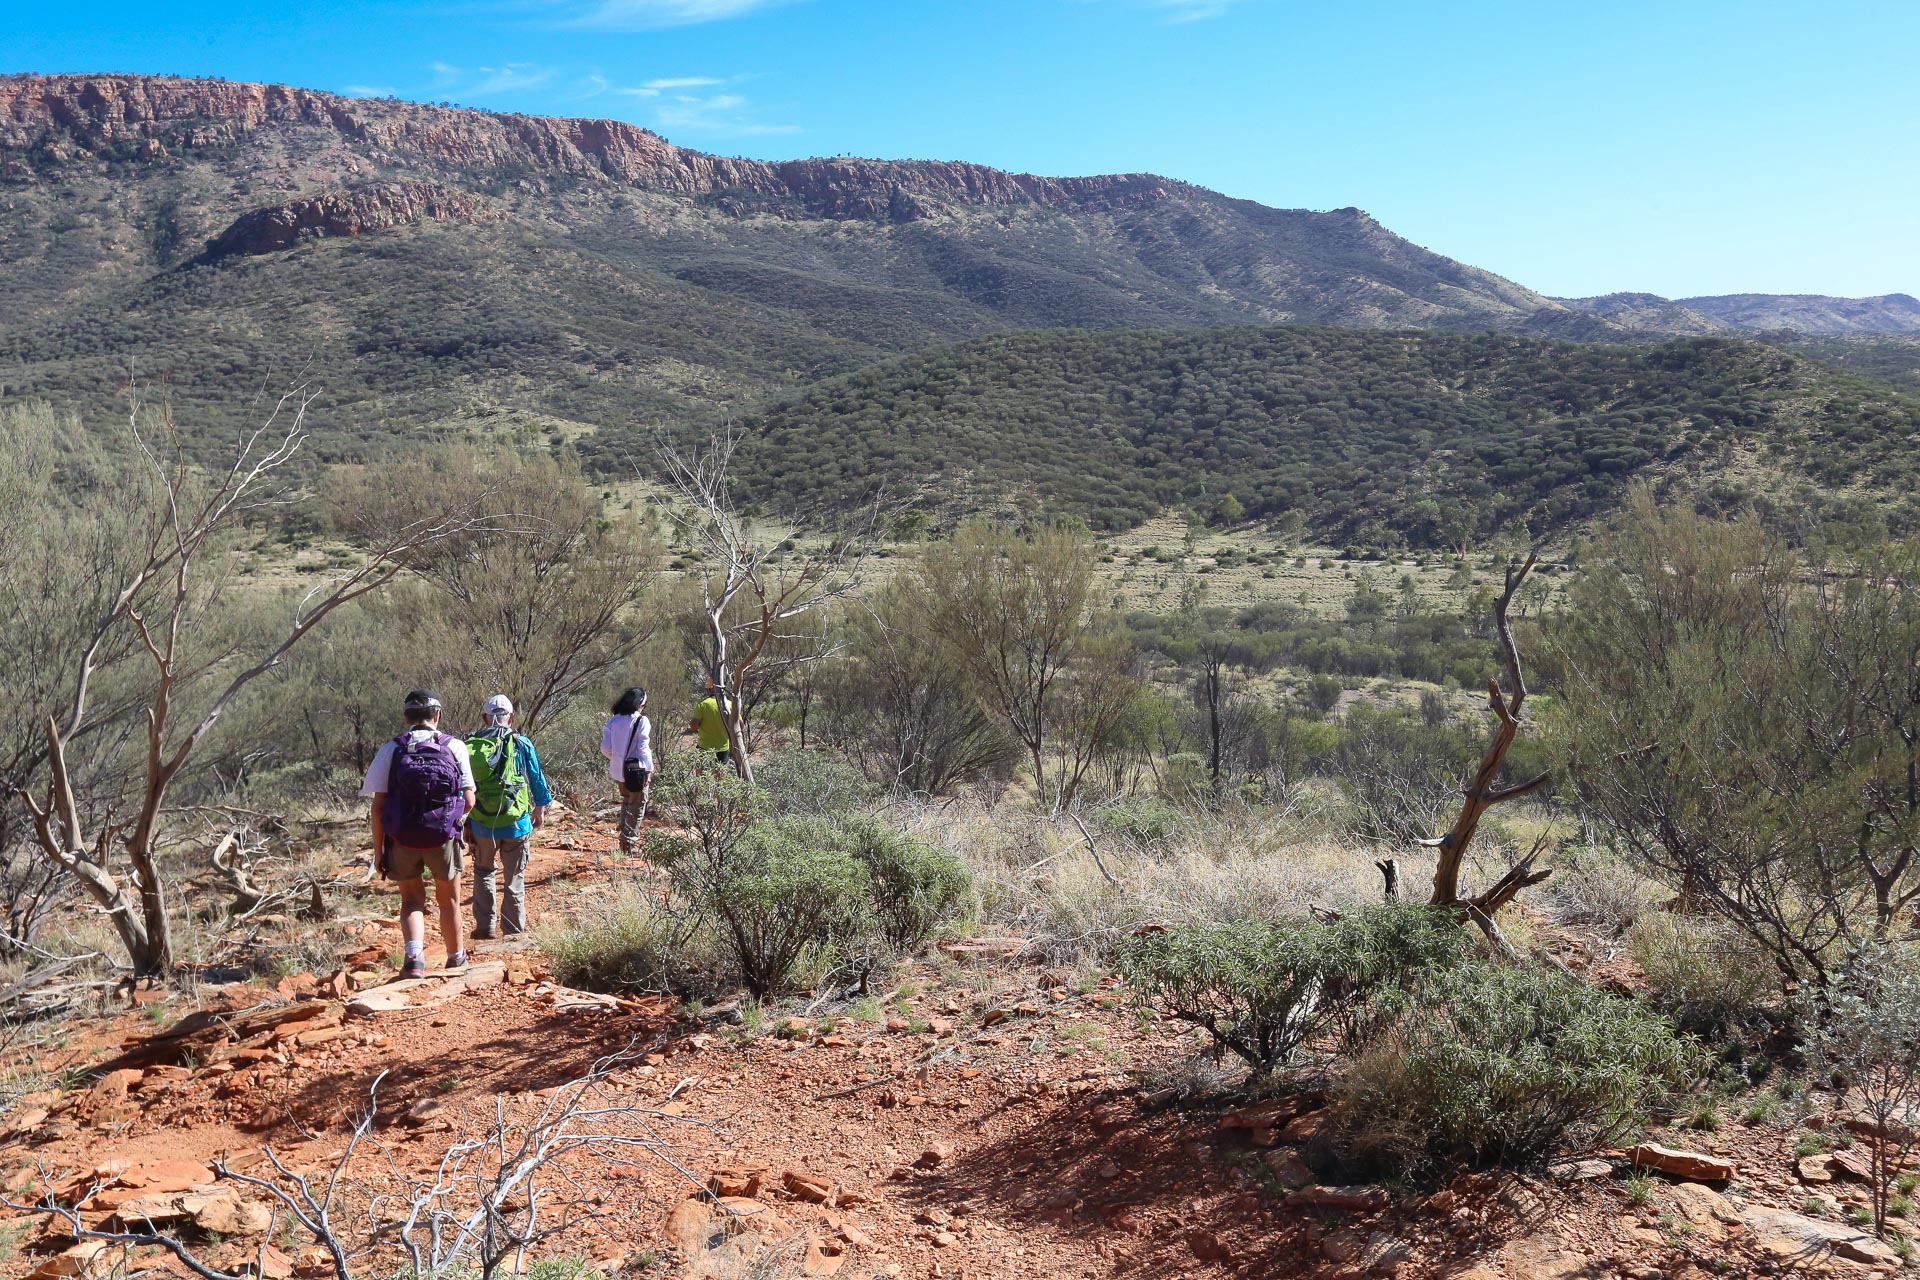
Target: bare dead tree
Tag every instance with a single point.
(157, 601)
(1483, 790)
(757, 577)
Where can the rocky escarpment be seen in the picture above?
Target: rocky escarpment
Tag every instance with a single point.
(352, 212)
(62, 119)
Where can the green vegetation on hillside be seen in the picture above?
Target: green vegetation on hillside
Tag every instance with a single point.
(1376, 438)
(1893, 358)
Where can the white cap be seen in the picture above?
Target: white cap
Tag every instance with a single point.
(499, 705)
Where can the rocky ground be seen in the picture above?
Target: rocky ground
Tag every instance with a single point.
(985, 1118)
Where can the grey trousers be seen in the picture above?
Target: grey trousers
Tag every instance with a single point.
(633, 808)
(510, 853)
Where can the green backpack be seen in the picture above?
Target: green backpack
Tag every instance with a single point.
(502, 796)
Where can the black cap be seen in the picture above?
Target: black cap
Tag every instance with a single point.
(423, 700)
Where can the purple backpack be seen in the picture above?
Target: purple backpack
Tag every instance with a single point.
(424, 806)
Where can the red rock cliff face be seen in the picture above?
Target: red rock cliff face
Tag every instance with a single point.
(65, 117)
(353, 212)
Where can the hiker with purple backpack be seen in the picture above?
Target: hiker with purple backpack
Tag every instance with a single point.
(421, 785)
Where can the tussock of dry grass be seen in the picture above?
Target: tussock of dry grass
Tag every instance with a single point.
(1037, 876)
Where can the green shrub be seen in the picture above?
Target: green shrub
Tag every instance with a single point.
(1264, 989)
(781, 882)
(628, 941)
(1489, 1064)
(1143, 819)
(1183, 776)
(785, 889)
(708, 814)
(1322, 693)
(1704, 976)
(812, 782)
(916, 888)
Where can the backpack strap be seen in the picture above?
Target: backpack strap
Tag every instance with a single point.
(504, 758)
(632, 733)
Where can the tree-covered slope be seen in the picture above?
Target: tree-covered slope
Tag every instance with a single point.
(1370, 437)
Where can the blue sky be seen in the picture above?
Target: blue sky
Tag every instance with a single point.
(1577, 146)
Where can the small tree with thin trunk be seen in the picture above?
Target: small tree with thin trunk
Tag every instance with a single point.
(1220, 663)
(1745, 725)
(1870, 1039)
(542, 608)
(899, 704)
(763, 583)
(156, 617)
(1017, 611)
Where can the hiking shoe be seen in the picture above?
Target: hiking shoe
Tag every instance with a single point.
(458, 960)
(413, 969)
(481, 935)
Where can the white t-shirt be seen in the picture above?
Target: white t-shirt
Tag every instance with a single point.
(383, 762)
(613, 745)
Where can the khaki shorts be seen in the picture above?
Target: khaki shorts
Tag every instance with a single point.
(404, 863)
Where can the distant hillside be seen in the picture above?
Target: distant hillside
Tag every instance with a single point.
(1808, 314)
(1377, 438)
(426, 262)
(1892, 358)
(1811, 313)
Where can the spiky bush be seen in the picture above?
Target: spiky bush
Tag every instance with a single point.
(1484, 1064)
(1264, 989)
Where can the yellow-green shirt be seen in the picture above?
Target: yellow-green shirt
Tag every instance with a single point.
(713, 726)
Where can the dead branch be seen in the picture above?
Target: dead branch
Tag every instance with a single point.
(1481, 793)
(1092, 848)
(231, 861)
(1389, 869)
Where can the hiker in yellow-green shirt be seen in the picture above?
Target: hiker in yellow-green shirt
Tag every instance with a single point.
(710, 723)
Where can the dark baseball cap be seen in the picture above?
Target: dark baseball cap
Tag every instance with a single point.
(423, 700)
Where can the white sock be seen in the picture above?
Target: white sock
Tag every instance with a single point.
(416, 951)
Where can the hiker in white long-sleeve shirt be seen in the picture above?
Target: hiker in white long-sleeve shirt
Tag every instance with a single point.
(627, 743)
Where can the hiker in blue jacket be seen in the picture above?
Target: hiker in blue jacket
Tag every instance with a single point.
(421, 785)
(512, 804)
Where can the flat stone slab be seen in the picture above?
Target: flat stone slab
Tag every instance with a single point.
(1682, 1164)
(1792, 1235)
(423, 993)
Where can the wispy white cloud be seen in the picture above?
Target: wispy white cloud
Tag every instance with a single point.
(682, 106)
(1181, 10)
(719, 115)
(654, 88)
(646, 15)
(474, 82)
(511, 77)
(368, 90)
(1192, 10)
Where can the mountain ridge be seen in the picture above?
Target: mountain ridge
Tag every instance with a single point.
(427, 264)
(435, 261)
(106, 113)
(1812, 314)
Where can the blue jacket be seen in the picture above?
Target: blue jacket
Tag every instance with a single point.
(536, 783)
